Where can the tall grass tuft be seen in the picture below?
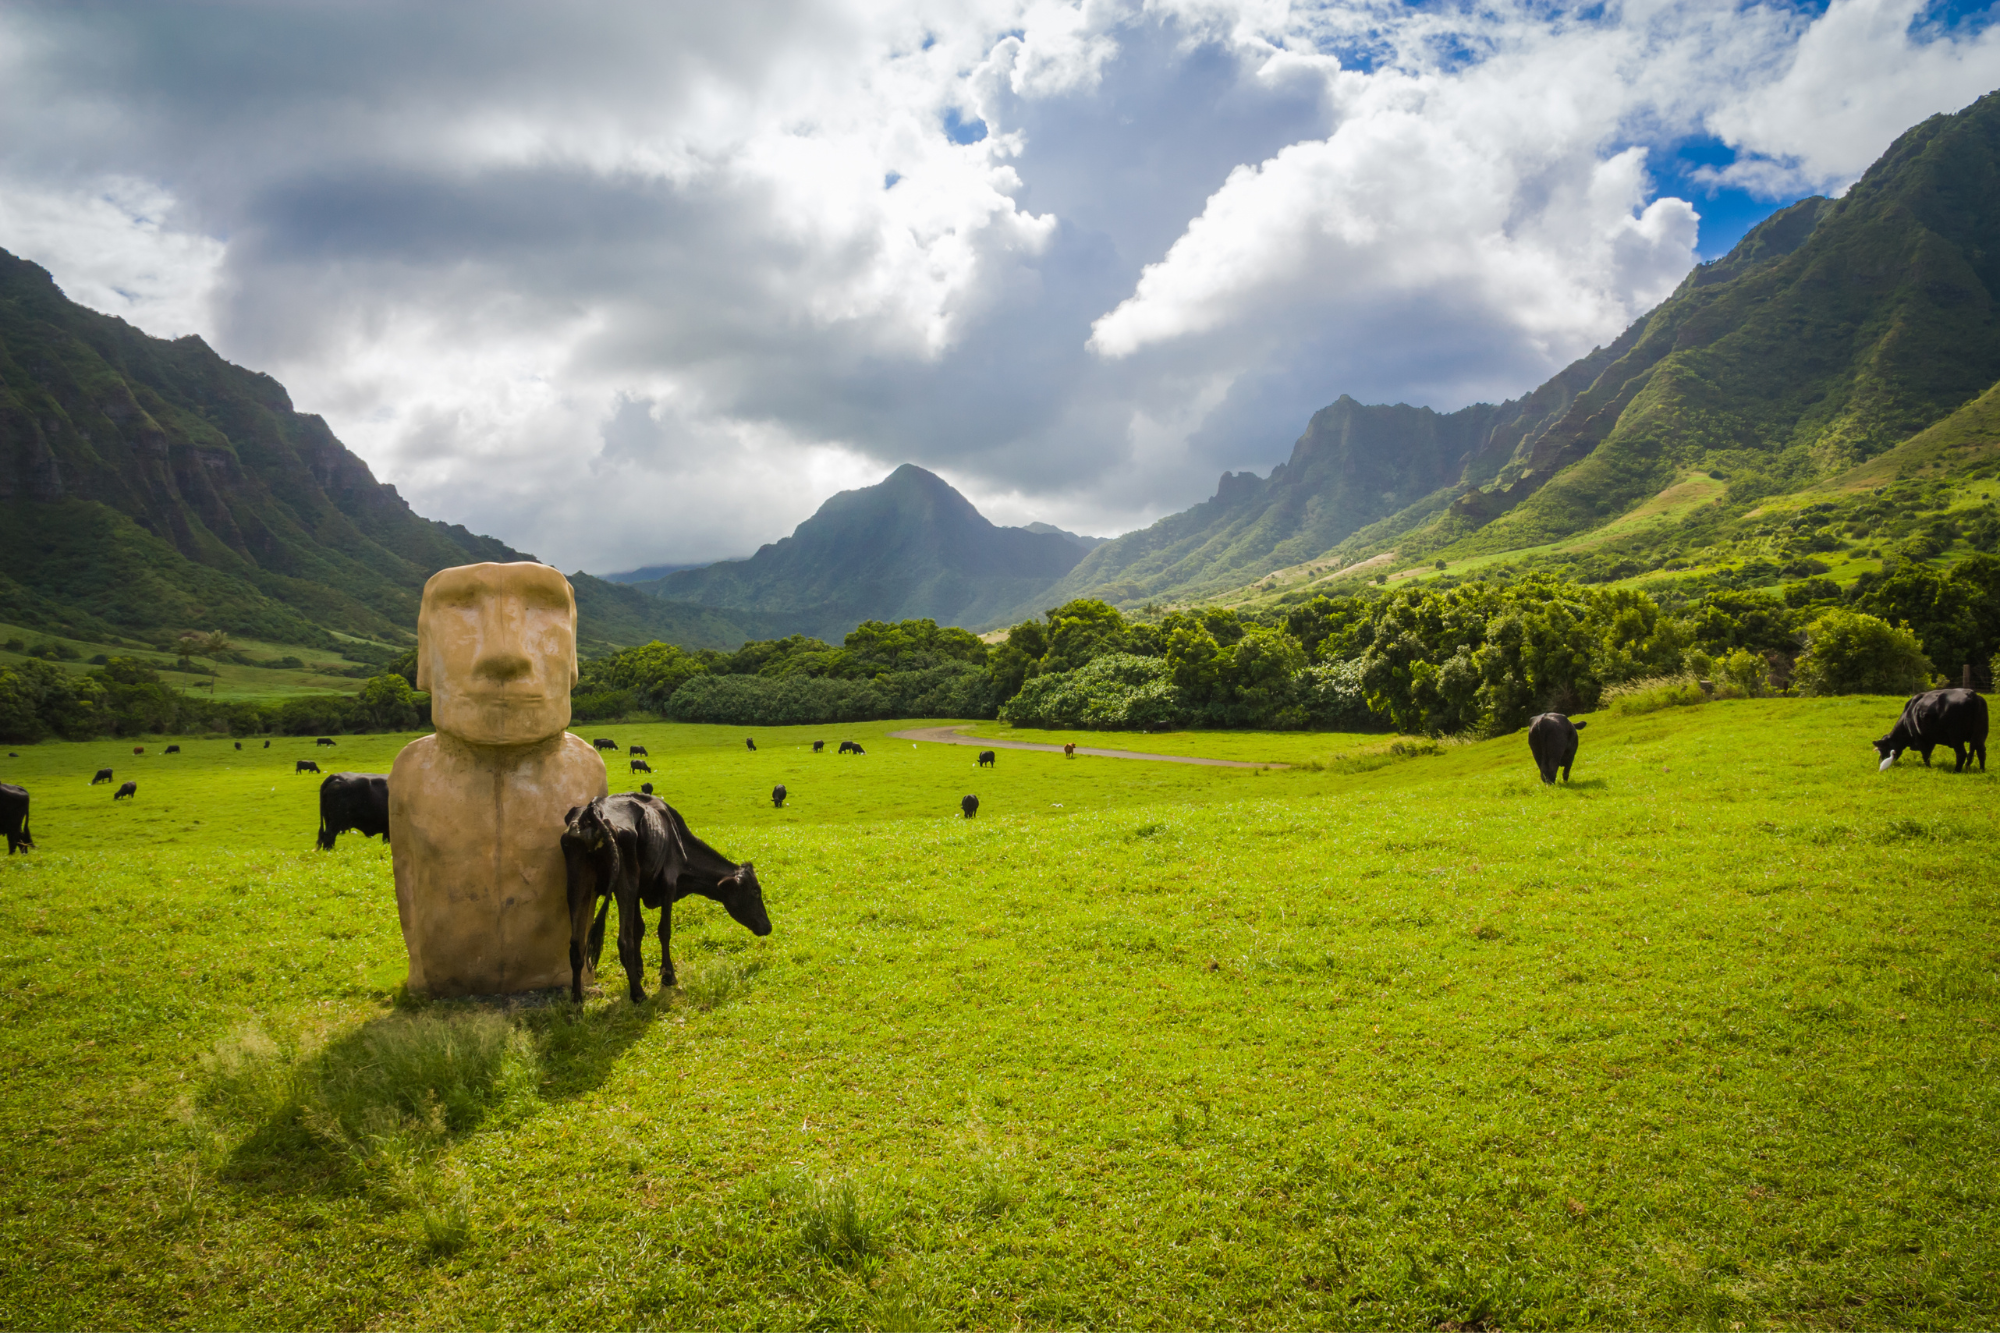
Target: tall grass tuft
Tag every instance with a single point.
(834, 1222)
(718, 982)
(1654, 693)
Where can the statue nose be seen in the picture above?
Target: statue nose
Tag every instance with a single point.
(501, 668)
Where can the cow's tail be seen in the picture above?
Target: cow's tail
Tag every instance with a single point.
(597, 934)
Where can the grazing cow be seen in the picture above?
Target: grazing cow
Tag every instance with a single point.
(239, 745)
(306, 766)
(646, 787)
(751, 744)
(639, 851)
(324, 740)
(357, 801)
(138, 749)
(1939, 717)
(641, 766)
(819, 746)
(173, 749)
(1552, 740)
(129, 789)
(849, 747)
(103, 775)
(970, 805)
(986, 758)
(1069, 749)
(14, 817)
(637, 749)
(605, 743)
(778, 796)
(267, 745)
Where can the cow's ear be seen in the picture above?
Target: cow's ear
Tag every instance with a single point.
(1581, 725)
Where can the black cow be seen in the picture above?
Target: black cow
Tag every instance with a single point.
(267, 745)
(14, 817)
(646, 787)
(1939, 717)
(778, 796)
(239, 745)
(849, 747)
(986, 758)
(103, 775)
(1552, 740)
(129, 789)
(637, 749)
(605, 743)
(306, 766)
(818, 746)
(641, 766)
(173, 749)
(639, 851)
(751, 744)
(357, 801)
(970, 805)
(324, 740)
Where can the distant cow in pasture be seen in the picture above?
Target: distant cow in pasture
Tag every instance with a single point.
(173, 749)
(750, 743)
(641, 766)
(819, 747)
(306, 766)
(129, 789)
(267, 745)
(1939, 717)
(637, 749)
(103, 775)
(849, 747)
(239, 745)
(639, 851)
(1552, 740)
(14, 817)
(605, 743)
(970, 805)
(1069, 749)
(778, 796)
(356, 801)
(986, 759)
(138, 749)
(324, 740)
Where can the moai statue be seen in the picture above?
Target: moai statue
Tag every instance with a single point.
(476, 811)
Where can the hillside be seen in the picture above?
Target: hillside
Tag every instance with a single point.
(908, 547)
(1833, 332)
(148, 485)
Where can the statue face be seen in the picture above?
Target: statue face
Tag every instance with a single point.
(496, 648)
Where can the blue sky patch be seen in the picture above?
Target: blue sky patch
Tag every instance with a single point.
(960, 130)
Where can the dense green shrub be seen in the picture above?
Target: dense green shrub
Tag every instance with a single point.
(1116, 691)
(1850, 652)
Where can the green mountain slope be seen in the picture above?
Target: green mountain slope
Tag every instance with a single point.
(148, 484)
(908, 547)
(1834, 331)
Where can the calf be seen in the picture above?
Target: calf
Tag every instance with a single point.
(778, 796)
(818, 746)
(986, 759)
(173, 749)
(970, 805)
(306, 766)
(637, 749)
(605, 743)
(641, 766)
(129, 789)
(1552, 740)
(751, 744)
(1069, 749)
(14, 817)
(138, 749)
(357, 801)
(639, 851)
(103, 775)
(1939, 717)
(324, 740)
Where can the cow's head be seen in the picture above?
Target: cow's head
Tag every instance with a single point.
(743, 898)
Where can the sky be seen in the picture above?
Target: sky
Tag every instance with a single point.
(639, 283)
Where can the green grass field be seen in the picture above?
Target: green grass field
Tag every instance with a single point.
(1706, 1039)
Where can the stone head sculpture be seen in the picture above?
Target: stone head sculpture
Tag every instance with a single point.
(476, 811)
(496, 648)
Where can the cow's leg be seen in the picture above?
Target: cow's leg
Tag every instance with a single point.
(631, 930)
(666, 943)
(1926, 752)
(579, 928)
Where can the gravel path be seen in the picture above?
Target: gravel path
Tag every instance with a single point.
(950, 736)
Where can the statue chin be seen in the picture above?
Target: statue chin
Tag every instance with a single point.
(517, 720)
